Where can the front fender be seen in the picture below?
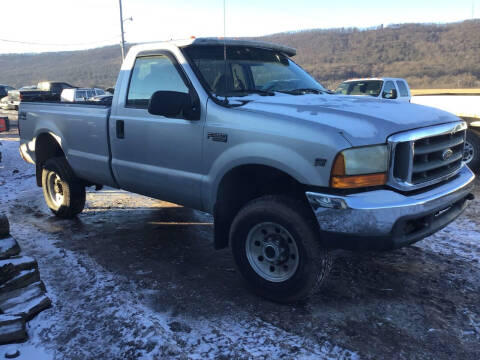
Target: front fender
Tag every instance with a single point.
(257, 153)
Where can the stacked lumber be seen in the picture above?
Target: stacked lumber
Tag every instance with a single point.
(22, 293)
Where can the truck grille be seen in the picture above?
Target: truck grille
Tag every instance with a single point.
(426, 156)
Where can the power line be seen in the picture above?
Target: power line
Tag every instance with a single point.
(47, 44)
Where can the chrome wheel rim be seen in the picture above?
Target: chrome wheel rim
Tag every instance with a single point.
(272, 252)
(468, 152)
(55, 189)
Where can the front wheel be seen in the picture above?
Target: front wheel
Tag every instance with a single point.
(471, 154)
(278, 250)
(64, 193)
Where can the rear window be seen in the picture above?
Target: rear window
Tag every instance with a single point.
(402, 87)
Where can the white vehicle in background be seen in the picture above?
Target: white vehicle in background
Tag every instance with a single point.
(101, 95)
(100, 92)
(382, 88)
(77, 95)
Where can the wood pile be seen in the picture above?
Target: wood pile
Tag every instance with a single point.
(22, 293)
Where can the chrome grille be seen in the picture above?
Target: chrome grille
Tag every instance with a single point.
(426, 156)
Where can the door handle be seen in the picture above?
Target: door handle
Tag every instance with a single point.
(120, 129)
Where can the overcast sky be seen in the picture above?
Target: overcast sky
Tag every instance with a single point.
(54, 25)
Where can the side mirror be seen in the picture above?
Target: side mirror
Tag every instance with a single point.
(173, 104)
(392, 94)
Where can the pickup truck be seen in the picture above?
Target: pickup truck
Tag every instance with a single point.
(381, 88)
(44, 91)
(235, 128)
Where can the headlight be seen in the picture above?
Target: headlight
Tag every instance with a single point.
(360, 167)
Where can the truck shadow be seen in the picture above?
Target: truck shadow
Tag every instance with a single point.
(170, 249)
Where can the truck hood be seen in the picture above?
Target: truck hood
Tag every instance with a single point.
(361, 120)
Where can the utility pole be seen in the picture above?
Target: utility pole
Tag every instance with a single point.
(121, 28)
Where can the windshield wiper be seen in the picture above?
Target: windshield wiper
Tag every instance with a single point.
(303, 91)
(252, 91)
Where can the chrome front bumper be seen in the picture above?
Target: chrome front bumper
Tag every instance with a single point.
(388, 219)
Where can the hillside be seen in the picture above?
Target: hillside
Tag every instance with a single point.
(427, 55)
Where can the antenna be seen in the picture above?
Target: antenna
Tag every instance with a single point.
(225, 51)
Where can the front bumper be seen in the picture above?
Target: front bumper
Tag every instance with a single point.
(386, 219)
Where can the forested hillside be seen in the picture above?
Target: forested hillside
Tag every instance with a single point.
(427, 55)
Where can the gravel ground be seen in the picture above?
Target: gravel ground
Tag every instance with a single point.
(134, 277)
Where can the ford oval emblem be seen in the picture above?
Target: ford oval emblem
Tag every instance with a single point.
(447, 154)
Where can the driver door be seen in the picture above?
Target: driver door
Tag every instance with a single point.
(151, 154)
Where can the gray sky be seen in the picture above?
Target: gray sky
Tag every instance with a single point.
(54, 25)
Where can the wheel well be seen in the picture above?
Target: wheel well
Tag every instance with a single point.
(243, 184)
(46, 147)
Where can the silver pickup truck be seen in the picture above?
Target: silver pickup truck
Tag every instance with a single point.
(236, 129)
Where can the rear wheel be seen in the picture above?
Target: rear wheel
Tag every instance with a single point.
(64, 193)
(278, 250)
(471, 154)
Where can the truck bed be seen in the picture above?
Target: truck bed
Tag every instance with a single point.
(84, 129)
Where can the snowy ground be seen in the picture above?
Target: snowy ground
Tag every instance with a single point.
(137, 278)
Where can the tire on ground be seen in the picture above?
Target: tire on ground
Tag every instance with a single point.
(72, 188)
(314, 260)
(474, 141)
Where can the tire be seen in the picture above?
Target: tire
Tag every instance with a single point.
(64, 193)
(285, 234)
(472, 152)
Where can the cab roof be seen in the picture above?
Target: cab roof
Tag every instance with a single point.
(229, 42)
(375, 78)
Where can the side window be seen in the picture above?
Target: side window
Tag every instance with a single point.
(152, 74)
(387, 90)
(80, 94)
(402, 87)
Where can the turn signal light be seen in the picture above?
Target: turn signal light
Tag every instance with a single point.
(357, 181)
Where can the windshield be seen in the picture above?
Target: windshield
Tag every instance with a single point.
(249, 70)
(369, 87)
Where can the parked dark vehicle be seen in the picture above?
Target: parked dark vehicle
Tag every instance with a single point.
(28, 87)
(4, 89)
(45, 91)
